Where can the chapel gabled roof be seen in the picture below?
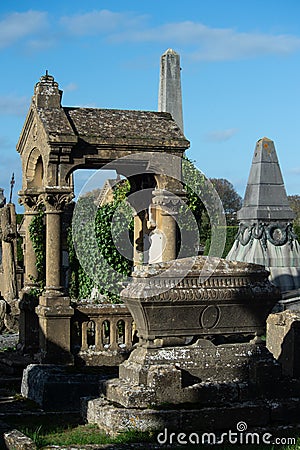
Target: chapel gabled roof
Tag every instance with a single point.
(95, 125)
(148, 129)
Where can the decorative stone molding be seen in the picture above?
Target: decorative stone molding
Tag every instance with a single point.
(55, 202)
(277, 234)
(30, 201)
(234, 300)
(168, 201)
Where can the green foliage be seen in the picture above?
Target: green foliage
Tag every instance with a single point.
(88, 434)
(19, 218)
(37, 233)
(20, 256)
(297, 231)
(101, 264)
(231, 232)
(294, 202)
(194, 185)
(231, 200)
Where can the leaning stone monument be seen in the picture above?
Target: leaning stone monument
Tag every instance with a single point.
(266, 233)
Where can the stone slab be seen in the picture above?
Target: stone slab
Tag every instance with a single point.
(60, 388)
(15, 440)
(114, 420)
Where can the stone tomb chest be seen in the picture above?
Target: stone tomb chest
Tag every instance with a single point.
(178, 299)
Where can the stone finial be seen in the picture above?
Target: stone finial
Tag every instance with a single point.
(46, 93)
(170, 98)
(265, 197)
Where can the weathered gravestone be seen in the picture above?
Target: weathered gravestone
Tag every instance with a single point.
(8, 277)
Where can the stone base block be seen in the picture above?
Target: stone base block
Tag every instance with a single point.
(55, 314)
(61, 388)
(202, 374)
(100, 358)
(114, 420)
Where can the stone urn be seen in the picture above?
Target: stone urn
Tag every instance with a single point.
(201, 297)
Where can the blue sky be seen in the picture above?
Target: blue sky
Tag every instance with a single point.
(240, 72)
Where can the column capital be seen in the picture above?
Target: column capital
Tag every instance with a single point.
(56, 201)
(168, 201)
(30, 201)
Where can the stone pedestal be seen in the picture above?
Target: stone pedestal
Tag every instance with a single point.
(54, 329)
(200, 374)
(196, 388)
(54, 310)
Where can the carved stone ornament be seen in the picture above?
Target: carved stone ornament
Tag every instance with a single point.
(168, 201)
(276, 233)
(56, 201)
(31, 202)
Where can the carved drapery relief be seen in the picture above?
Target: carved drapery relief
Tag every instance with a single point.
(277, 234)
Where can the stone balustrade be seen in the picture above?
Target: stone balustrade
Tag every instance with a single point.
(101, 334)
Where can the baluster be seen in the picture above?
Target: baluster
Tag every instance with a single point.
(84, 344)
(128, 332)
(113, 334)
(98, 335)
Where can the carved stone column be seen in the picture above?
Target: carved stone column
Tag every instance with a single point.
(31, 204)
(28, 321)
(137, 237)
(54, 310)
(167, 204)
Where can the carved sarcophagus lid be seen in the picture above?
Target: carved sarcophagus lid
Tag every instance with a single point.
(200, 297)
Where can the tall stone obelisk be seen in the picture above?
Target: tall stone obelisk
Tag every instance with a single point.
(266, 235)
(170, 98)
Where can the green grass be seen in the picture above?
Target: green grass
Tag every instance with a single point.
(61, 432)
(48, 433)
(90, 434)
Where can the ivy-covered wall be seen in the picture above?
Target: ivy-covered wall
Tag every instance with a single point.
(108, 284)
(37, 233)
(231, 232)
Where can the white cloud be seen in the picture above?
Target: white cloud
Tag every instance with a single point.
(70, 87)
(16, 26)
(221, 135)
(99, 22)
(295, 171)
(12, 105)
(213, 44)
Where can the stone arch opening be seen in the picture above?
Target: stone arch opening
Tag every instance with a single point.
(35, 169)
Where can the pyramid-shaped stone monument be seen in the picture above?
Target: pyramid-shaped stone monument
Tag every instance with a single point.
(265, 233)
